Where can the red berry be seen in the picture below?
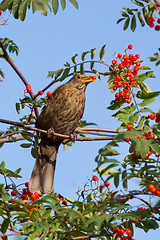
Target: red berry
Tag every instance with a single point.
(119, 196)
(28, 88)
(136, 68)
(158, 192)
(26, 184)
(157, 28)
(23, 196)
(152, 116)
(121, 93)
(152, 188)
(115, 230)
(151, 135)
(158, 20)
(127, 139)
(124, 83)
(117, 95)
(119, 55)
(121, 232)
(125, 57)
(106, 183)
(128, 232)
(130, 46)
(40, 92)
(137, 56)
(128, 101)
(94, 178)
(13, 193)
(138, 64)
(119, 84)
(151, 25)
(125, 90)
(129, 126)
(114, 88)
(49, 94)
(150, 19)
(123, 238)
(120, 66)
(118, 78)
(127, 95)
(127, 65)
(114, 62)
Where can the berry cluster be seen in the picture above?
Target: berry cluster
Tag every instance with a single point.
(125, 80)
(151, 23)
(155, 116)
(26, 194)
(153, 190)
(121, 232)
(106, 183)
(28, 88)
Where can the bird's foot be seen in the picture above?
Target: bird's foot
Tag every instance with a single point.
(73, 137)
(50, 132)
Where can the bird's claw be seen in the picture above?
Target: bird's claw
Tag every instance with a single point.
(50, 132)
(73, 137)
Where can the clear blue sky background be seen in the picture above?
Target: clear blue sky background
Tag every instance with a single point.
(46, 43)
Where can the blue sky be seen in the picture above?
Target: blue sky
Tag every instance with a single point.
(46, 43)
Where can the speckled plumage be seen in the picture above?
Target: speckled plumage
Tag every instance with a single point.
(62, 113)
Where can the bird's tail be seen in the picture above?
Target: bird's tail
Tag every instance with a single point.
(42, 177)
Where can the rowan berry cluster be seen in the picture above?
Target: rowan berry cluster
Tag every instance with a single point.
(154, 190)
(26, 194)
(151, 21)
(155, 116)
(121, 232)
(126, 79)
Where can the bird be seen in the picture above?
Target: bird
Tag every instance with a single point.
(61, 113)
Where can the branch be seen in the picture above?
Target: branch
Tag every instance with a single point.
(10, 61)
(66, 137)
(157, 3)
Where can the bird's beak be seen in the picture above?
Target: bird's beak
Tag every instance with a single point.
(89, 79)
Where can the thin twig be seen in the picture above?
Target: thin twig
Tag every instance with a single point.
(10, 61)
(157, 3)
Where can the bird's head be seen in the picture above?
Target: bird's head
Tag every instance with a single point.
(81, 81)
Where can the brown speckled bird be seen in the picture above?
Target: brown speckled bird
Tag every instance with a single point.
(62, 112)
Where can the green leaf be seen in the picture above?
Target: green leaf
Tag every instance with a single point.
(74, 3)
(145, 14)
(126, 24)
(124, 14)
(74, 58)
(141, 19)
(146, 102)
(26, 145)
(116, 180)
(5, 4)
(138, 3)
(92, 51)
(84, 55)
(18, 107)
(144, 87)
(22, 10)
(143, 76)
(133, 23)
(148, 95)
(120, 20)
(55, 5)
(4, 225)
(63, 4)
(39, 6)
(158, 62)
(102, 52)
(65, 74)
(15, 7)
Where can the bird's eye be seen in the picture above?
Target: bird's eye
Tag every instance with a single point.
(78, 77)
